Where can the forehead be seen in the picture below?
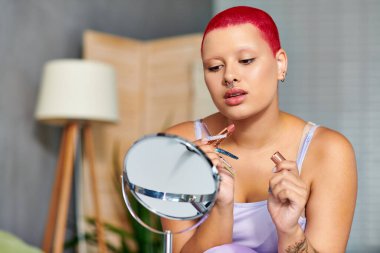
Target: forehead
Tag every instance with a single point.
(235, 37)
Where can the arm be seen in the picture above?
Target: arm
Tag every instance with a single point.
(217, 228)
(330, 168)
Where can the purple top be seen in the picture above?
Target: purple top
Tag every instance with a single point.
(253, 229)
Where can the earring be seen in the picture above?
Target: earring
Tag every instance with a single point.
(283, 77)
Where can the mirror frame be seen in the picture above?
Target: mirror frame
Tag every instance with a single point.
(194, 199)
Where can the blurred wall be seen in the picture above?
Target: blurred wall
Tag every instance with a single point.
(33, 32)
(333, 80)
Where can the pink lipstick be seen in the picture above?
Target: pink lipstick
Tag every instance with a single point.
(277, 158)
(234, 96)
(227, 131)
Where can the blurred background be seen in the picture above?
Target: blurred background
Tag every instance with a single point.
(332, 80)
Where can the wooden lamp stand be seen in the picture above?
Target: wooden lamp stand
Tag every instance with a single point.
(59, 201)
(74, 93)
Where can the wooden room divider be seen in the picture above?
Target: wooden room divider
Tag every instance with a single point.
(160, 83)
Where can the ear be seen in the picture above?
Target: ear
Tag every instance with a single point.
(282, 64)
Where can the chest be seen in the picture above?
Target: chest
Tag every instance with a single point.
(253, 172)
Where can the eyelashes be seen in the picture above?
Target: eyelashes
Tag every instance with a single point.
(247, 61)
(216, 68)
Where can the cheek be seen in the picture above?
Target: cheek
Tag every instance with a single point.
(263, 84)
(212, 83)
(266, 77)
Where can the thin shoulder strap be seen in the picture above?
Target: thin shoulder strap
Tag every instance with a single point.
(305, 142)
(198, 129)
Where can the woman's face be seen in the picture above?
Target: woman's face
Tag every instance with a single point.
(240, 54)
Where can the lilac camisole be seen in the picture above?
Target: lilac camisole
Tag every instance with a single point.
(253, 229)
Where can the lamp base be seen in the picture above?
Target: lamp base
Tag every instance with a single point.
(59, 201)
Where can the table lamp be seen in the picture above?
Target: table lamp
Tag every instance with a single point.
(73, 94)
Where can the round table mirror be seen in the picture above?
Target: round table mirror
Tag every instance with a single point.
(172, 178)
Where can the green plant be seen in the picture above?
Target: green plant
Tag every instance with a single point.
(140, 239)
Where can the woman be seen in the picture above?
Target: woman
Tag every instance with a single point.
(311, 198)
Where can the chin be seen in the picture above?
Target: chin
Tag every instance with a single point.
(245, 110)
(236, 113)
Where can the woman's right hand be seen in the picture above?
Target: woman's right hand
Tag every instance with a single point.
(226, 188)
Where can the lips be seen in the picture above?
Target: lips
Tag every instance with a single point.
(234, 96)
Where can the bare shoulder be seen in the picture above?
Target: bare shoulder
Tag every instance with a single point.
(331, 153)
(185, 130)
(332, 145)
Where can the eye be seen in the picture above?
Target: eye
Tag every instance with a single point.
(247, 61)
(214, 68)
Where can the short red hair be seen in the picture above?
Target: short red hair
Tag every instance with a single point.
(242, 15)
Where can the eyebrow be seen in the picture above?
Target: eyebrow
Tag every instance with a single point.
(240, 50)
(246, 48)
(212, 58)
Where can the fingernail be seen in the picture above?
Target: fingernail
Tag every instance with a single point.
(229, 170)
(225, 152)
(274, 169)
(225, 162)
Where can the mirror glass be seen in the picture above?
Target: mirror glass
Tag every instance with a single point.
(170, 176)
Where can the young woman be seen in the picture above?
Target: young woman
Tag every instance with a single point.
(304, 203)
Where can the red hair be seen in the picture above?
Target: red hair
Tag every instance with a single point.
(242, 15)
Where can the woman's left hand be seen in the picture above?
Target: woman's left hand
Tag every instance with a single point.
(288, 195)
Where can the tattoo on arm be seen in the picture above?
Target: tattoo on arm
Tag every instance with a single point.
(302, 246)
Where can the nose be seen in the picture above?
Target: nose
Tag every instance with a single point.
(230, 84)
(230, 77)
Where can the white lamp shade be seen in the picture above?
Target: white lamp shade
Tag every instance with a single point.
(73, 89)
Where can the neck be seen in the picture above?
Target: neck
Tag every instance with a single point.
(258, 131)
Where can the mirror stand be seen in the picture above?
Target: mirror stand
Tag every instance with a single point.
(168, 235)
(168, 244)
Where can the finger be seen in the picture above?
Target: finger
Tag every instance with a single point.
(227, 172)
(287, 185)
(286, 165)
(226, 169)
(230, 171)
(216, 161)
(210, 140)
(223, 166)
(226, 163)
(210, 151)
(286, 175)
(206, 148)
(287, 195)
(213, 156)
